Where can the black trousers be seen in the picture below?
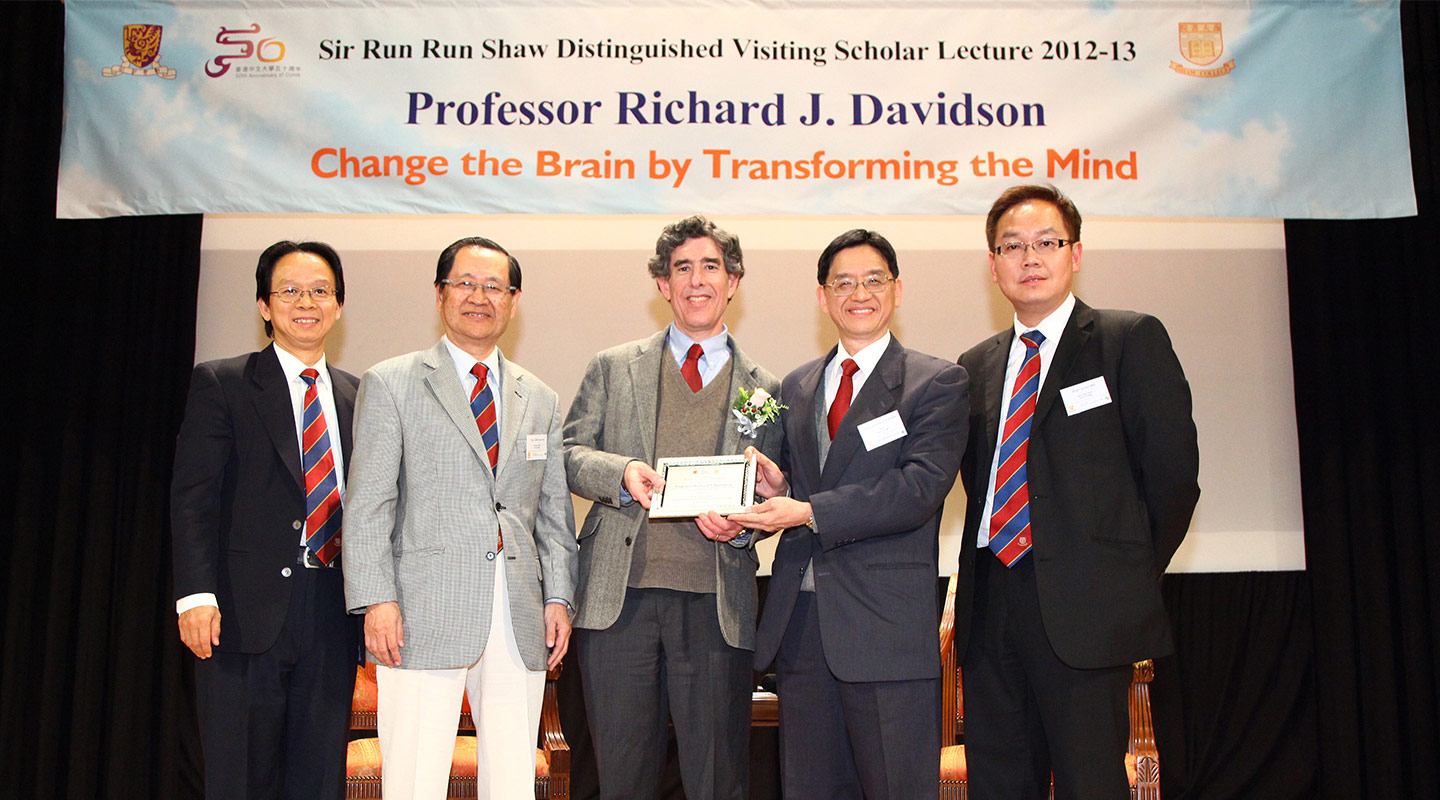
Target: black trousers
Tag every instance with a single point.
(276, 724)
(840, 740)
(1027, 713)
(665, 657)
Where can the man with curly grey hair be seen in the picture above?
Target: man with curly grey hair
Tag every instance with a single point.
(666, 618)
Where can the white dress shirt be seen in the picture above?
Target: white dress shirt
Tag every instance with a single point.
(866, 360)
(1051, 328)
(464, 362)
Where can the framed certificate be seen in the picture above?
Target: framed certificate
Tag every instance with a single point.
(723, 484)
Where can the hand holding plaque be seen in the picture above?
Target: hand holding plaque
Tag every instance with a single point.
(694, 485)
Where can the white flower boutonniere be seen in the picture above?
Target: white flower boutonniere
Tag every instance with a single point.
(755, 409)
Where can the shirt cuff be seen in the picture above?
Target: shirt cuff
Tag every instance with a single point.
(196, 600)
(562, 600)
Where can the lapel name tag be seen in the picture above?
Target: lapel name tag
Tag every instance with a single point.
(881, 430)
(535, 447)
(1085, 395)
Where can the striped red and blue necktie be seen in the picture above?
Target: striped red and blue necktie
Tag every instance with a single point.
(1010, 537)
(322, 486)
(482, 405)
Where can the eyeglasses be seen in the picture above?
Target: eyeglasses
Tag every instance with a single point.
(292, 294)
(1042, 247)
(468, 288)
(874, 284)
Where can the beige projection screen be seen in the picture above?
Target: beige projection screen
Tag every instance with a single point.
(1219, 287)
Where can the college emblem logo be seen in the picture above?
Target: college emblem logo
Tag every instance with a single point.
(141, 45)
(1202, 44)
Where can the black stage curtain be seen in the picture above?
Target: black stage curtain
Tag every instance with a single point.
(1285, 685)
(1362, 319)
(100, 334)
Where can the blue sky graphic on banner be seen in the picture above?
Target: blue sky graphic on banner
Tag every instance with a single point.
(1260, 108)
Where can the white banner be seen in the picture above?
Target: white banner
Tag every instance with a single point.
(1245, 108)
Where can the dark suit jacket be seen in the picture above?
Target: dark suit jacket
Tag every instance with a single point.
(1112, 489)
(237, 501)
(877, 516)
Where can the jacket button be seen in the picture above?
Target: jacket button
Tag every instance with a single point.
(297, 524)
(627, 541)
(499, 508)
(285, 572)
(489, 556)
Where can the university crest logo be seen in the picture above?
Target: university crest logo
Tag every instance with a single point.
(1202, 44)
(141, 45)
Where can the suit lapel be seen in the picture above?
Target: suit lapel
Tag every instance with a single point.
(1072, 341)
(512, 410)
(445, 385)
(276, 410)
(805, 451)
(996, 392)
(645, 383)
(879, 396)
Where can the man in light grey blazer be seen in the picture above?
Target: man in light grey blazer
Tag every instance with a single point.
(460, 538)
(666, 616)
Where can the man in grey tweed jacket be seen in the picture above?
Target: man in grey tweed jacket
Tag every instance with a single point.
(460, 544)
(667, 608)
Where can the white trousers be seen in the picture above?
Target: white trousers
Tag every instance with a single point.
(418, 710)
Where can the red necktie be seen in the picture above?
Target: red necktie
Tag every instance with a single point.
(322, 487)
(482, 405)
(1010, 537)
(691, 368)
(841, 404)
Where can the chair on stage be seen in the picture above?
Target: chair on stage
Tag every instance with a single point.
(362, 762)
(1142, 762)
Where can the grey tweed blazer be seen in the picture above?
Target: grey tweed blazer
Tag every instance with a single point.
(610, 424)
(422, 509)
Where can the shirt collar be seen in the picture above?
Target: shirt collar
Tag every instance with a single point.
(464, 362)
(292, 366)
(1053, 325)
(680, 342)
(868, 356)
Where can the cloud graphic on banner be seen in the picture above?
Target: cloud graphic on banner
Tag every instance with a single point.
(1254, 160)
(83, 192)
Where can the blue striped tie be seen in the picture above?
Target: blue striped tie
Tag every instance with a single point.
(322, 488)
(1010, 537)
(482, 405)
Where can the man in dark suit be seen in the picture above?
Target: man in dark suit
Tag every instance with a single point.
(873, 437)
(256, 520)
(1081, 480)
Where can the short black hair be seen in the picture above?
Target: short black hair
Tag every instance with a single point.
(677, 234)
(1016, 195)
(447, 258)
(857, 238)
(265, 270)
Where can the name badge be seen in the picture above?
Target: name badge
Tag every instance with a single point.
(1085, 395)
(535, 444)
(881, 430)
